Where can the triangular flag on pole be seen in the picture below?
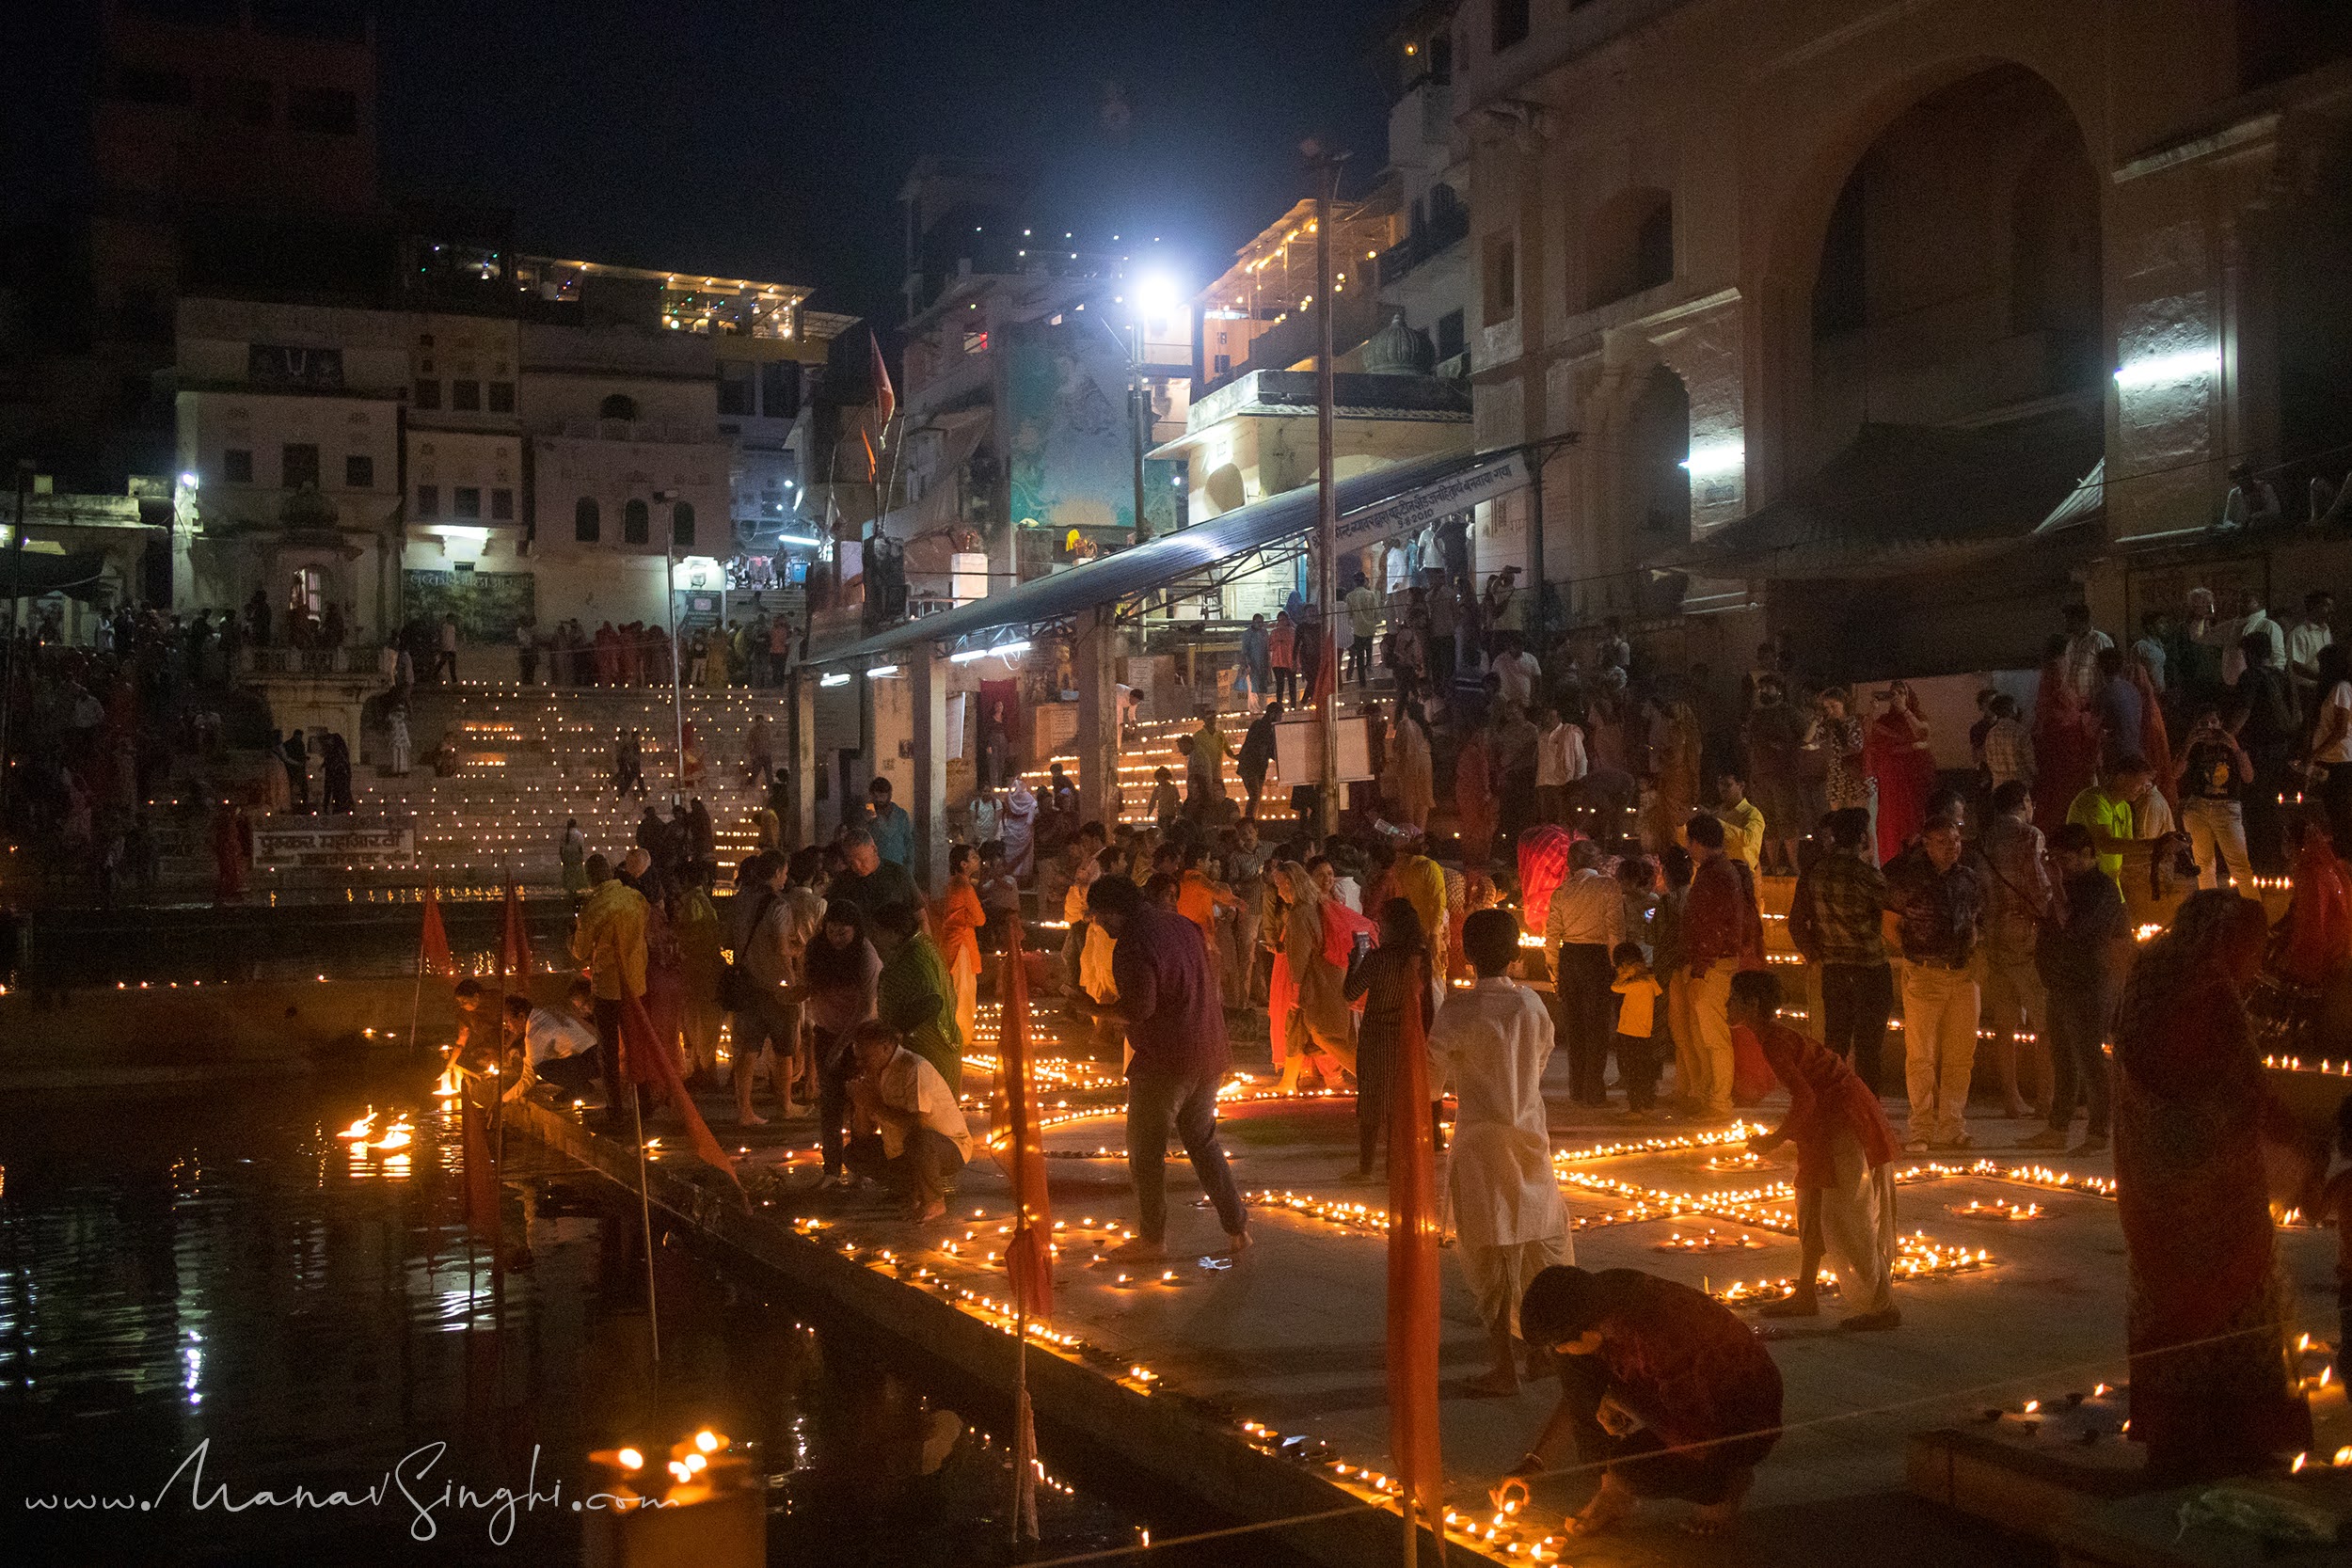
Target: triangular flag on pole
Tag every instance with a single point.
(1413, 1270)
(515, 959)
(643, 1060)
(885, 397)
(432, 954)
(1029, 1255)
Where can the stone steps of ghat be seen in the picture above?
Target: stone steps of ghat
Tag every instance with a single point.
(530, 757)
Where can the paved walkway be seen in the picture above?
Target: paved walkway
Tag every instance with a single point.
(1291, 1338)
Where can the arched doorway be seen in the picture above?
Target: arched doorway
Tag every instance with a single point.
(1957, 273)
(1657, 442)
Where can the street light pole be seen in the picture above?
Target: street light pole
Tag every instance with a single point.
(1326, 165)
(16, 592)
(1138, 404)
(677, 655)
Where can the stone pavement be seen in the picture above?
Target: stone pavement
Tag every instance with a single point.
(1290, 1338)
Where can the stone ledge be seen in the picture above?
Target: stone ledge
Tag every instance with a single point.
(1178, 1444)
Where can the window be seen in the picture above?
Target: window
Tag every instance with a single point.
(358, 472)
(1502, 280)
(780, 389)
(734, 389)
(636, 523)
(501, 397)
(1451, 335)
(238, 100)
(307, 590)
(620, 405)
(428, 394)
(428, 500)
(465, 396)
(328, 111)
(236, 464)
(682, 525)
(1654, 249)
(298, 464)
(503, 506)
(154, 86)
(1510, 22)
(587, 524)
(1223, 366)
(466, 500)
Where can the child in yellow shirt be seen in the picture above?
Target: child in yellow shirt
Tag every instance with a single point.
(1638, 992)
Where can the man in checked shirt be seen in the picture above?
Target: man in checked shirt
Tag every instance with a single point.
(1836, 919)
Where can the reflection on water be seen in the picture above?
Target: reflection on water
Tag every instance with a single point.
(225, 1286)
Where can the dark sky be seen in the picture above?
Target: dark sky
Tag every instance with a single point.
(768, 140)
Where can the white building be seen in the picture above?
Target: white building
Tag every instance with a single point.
(289, 419)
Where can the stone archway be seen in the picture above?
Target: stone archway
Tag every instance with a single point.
(1935, 261)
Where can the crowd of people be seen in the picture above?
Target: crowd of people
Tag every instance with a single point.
(756, 650)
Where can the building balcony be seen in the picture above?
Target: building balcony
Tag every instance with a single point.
(1445, 228)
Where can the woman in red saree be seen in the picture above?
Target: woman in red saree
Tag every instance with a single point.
(2212, 1393)
(2065, 741)
(1895, 752)
(1474, 805)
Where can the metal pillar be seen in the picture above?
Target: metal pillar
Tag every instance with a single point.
(803, 766)
(929, 805)
(1094, 665)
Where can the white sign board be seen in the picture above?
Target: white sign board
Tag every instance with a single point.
(1298, 748)
(1418, 509)
(325, 845)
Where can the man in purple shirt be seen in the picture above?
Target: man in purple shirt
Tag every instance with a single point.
(1170, 999)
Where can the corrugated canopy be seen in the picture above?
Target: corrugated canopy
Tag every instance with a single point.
(1903, 498)
(1410, 494)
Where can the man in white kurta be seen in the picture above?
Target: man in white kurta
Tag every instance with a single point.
(1490, 1043)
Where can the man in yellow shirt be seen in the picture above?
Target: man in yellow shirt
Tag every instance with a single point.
(1743, 825)
(2110, 809)
(610, 939)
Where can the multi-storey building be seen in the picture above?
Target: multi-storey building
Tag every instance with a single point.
(1894, 324)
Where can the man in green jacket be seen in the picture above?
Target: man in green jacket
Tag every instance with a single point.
(912, 995)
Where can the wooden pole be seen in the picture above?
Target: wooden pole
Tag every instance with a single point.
(644, 1213)
(1326, 167)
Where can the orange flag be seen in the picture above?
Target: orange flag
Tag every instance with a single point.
(432, 954)
(482, 1202)
(1413, 1271)
(644, 1061)
(515, 959)
(1029, 1258)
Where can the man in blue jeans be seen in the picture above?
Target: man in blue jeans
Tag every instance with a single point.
(1168, 998)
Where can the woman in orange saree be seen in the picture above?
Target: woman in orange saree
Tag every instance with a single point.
(2212, 1393)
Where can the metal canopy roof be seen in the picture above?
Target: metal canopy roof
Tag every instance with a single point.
(1385, 500)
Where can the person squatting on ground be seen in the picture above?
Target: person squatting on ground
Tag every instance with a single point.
(910, 1132)
(1662, 1384)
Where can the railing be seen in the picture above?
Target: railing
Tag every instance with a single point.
(315, 661)
(1443, 227)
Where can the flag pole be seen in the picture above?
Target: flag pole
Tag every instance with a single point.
(415, 999)
(645, 1213)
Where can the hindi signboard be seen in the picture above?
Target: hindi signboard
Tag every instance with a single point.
(326, 844)
(1418, 509)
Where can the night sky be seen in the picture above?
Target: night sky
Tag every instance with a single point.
(769, 140)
